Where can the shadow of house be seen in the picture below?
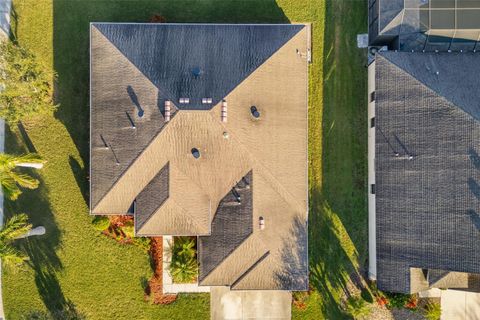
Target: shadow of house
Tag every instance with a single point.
(81, 176)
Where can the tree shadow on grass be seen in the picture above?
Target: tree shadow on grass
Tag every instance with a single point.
(338, 211)
(41, 250)
(330, 265)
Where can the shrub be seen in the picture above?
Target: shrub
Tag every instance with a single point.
(128, 229)
(300, 299)
(184, 246)
(397, 300)
(357, 307)
(183, 266)
(433, 311)
(101, 223)
(183, 269)
(27, 89)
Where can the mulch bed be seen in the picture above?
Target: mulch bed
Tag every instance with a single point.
(115, 229)
(154, 290)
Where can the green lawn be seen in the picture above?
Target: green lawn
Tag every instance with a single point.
(104, 280)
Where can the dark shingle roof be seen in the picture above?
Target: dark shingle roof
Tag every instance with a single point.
(426, 207)
(197, 61)
(230, 227)
(152, 197)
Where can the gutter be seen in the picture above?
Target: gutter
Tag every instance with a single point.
(372, 241)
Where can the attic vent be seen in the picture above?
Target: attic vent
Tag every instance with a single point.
(167, 110)
(207, 100)
(224, 111)
(197, 72)
(184, 100)
(195, 153)
(261, 223)
(255, 112)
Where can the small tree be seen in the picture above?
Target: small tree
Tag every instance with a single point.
(25, 85)
(101, 223)
(11, 180)
(14, 228)
(183, 269)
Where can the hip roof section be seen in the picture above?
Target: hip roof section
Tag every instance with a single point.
(179, 173)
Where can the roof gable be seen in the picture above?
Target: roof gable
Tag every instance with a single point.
(197, 61)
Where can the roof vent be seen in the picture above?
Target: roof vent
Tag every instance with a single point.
(197, 72)
(207, 100)
(261, 223)
(184, 100)
(255, 112)
(224, 111)
(195, 153)
(167, 111)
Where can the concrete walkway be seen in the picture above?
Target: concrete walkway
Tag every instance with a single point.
(226, 304)
(5, 7)
(168, 285)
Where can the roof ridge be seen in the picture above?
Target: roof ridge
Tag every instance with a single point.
(134, 160)
(426, 86)
(151, 140)
(250, 238)
(161, 203)
(187, 212)
(181, 213)
(253, 266)
(270, 177)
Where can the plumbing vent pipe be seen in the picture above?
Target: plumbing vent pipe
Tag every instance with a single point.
(224, 111)
(167, 110)
(261, 223)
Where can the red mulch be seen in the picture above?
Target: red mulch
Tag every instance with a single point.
(154, 290)
(115, 229)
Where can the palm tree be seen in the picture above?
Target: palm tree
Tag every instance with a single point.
(12, 180)
(184, 269)
(14, 228)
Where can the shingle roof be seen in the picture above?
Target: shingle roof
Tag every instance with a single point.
(426, 207)
(197, 61)
(137, 157)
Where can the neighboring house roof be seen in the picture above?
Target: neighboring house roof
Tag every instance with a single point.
(139, 160)
(425, 25)
(427, 105)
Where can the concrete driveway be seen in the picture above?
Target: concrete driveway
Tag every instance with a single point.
(460, 305)
(235, 305)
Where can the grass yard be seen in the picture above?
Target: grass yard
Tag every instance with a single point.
(74, 266)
